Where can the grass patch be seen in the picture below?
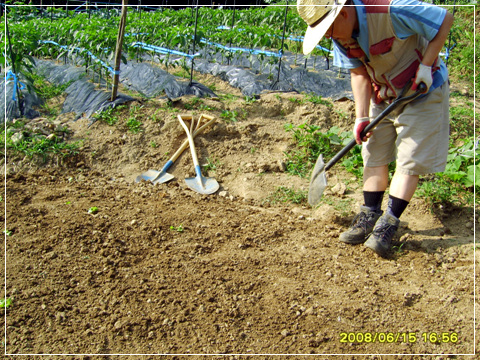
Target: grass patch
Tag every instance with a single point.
(283, 195)
(47, 90)
(211, 165)
(134, 124)
(109, 116)
(35, 146)
(343, 206)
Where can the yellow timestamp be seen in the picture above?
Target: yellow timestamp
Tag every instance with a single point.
(398, 337)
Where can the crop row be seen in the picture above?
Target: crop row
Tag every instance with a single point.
(253, 28)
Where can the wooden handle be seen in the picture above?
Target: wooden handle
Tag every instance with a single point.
(198, 130)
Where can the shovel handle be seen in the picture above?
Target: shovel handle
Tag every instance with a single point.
(396, 103)
(190, 138)
(198, 130)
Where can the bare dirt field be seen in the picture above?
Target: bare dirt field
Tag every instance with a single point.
(161, 269)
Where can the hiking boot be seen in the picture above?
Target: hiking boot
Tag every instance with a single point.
(361, 227)
(380, 240)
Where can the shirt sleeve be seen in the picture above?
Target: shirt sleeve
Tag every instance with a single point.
(410, 17)
(341, 60)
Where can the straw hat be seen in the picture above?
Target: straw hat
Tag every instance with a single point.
(319, 15)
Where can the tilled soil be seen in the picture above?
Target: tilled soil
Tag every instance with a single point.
(161, 269)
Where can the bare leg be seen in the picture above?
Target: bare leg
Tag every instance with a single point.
(403, 186)
(375, 178)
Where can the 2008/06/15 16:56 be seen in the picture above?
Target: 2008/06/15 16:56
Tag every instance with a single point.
(393, 337)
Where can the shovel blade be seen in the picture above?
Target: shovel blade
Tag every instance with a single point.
(149, 175)
(163, 177)
(318, 182)
(202, 184)
(156, 177)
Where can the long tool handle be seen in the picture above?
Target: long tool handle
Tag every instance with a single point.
(190, 138)
(185, 144)
(396, 103)
(197, 131)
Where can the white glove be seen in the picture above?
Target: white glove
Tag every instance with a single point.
(424, 74)
(360, 124)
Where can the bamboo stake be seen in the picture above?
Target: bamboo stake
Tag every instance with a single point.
(118, 52)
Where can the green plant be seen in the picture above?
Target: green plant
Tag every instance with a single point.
(134, 125)
(7, 232)
(51, 111)
(178, 228)
(108, 116)
(154, 117)
(211, 164)
(460, 163)
(461, 121)
(228, 97)
(34, 145)
(344, 206)
(319, 100)
(195, 103)
(398, 249)
(353, 162)
(93, 210)
(204, 107)
(5, 303)
(284, 194)
(47, 90)
(153, 144)
(463, 55)
(296, 100)
(229, 115)
(461, 178)
(250, 99)
(310, 141)
(212, 87)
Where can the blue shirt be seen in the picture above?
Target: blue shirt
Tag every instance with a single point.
(409, 17)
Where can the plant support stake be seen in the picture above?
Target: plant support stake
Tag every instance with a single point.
(283, 41)
(194, 41)
(118, 52)
(12, 58)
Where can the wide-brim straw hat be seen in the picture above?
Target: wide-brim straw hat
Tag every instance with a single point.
(319, 16)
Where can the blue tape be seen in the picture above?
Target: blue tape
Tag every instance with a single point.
(238, 49)
(12, 77)
(162, 50)
(80, 50)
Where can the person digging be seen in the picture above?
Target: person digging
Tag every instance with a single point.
(387, 45)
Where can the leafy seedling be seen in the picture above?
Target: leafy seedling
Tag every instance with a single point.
(5, 303)
(177, 228)
(93, 210)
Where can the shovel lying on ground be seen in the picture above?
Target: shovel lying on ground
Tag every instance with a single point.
(199, 183)
(162, 176)
(318, 181)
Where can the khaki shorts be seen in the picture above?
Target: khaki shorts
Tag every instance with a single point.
(417, 137)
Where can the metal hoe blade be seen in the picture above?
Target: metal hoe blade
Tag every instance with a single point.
(318, 182)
